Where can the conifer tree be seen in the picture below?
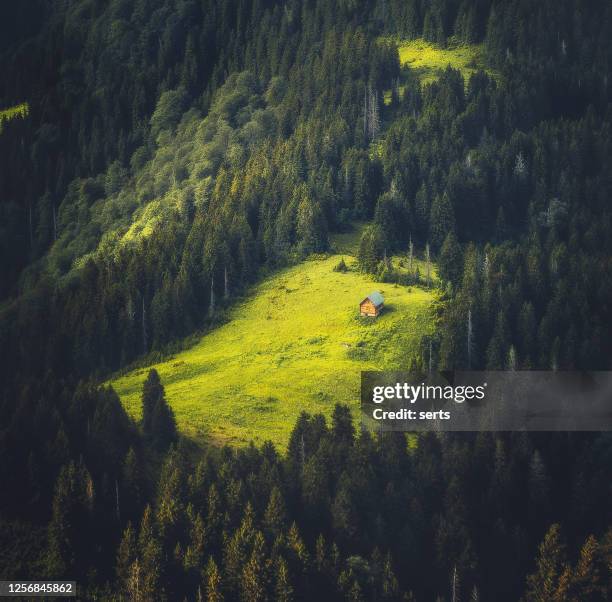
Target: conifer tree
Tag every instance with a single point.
(283, 589)
(150, 553)
(450, 263)
(132, 486)
(254, 578)
(587, 584)
(441, 220)
(275, 518)
(158, 423)
(551, 562)
(390, 585)
(213, 582)
(70, 520)
(126, 559)
(152, 393)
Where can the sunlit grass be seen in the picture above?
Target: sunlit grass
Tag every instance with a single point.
(426, 60)
(295, 344)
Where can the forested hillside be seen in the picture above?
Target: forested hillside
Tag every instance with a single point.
(168, 155)
(250, 131)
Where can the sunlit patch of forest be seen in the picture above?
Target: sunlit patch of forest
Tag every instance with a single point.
(424, 61)
(17, 112)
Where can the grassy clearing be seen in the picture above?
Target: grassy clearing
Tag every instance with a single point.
(426, 60)
(17, 112)
(296, 344)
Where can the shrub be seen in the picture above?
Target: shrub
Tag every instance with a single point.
(341, 266)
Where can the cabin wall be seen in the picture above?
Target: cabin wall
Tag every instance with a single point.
(368, 309)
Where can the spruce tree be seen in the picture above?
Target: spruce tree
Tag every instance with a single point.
(254, 578)
(126, 558)
(213, 582)
(450, 263)
(152, 393)
(158, 423)
(441, 220)
(282, 588)
(551, 562)
(150, 553)
(587, 583)
(275, 518)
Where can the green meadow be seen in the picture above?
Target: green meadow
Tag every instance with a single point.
(426, 60)
(296, 343)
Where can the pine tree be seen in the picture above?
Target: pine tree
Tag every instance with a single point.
(321, 554)
(275, 518)
(253, 582)
(236, 552)
(298, 549)
(126, 558)
(355, 594)
(158, 423)
(194, 554)
(586, 583)
(390, 585)
(132, 486)
(551, 562)
(213, 518)
(441, 220)
(70, 520)
(213, 582)
(371, 248)
(450, 263)
(283, 589)
(163, 426)
(152, 393)
(343, 430)
(150, 553)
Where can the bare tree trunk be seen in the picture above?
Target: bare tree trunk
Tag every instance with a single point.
(211, 308)
(455, 586)
(372, 112)
(226, 284)
(410, 254)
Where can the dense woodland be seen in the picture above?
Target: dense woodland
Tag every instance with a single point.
(177, 150)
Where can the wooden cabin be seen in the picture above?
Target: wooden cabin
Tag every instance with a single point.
(372, 305)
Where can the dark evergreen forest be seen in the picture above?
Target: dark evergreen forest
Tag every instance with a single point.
(175, 151)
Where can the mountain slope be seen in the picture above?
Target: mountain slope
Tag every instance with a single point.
(295, 344)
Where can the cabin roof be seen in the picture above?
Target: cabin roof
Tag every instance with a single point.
(375, 298)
